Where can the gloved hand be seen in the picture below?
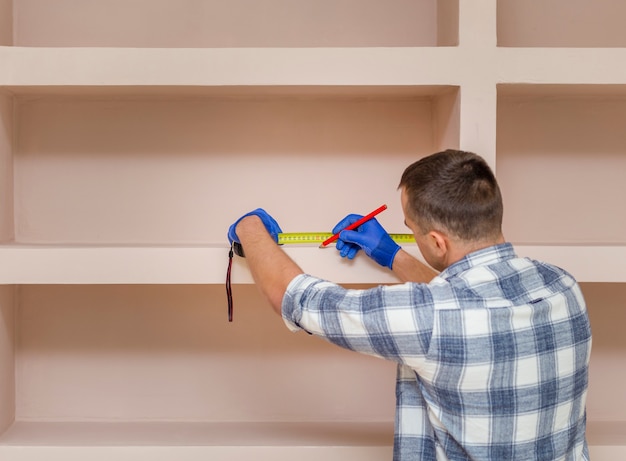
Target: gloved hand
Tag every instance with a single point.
(370, 236)
(270, 224)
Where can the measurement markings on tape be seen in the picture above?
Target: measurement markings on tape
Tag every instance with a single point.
(288, 238)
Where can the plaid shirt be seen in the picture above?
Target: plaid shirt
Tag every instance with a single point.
(492, 355)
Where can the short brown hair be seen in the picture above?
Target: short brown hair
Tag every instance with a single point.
(454, 191)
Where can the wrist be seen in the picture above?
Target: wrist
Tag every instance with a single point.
(388, 255)
(394, 253)
(385, 252)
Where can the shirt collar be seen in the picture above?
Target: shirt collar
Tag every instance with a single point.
(482, 257)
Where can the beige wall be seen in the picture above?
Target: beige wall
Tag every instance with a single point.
(172, 171)
(561, 23)
(576, 167)
(168, 353)
(233, 23)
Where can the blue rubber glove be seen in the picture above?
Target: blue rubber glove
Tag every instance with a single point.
(370, 236)
(270, 224)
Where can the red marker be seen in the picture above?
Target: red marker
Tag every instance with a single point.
(354, 225)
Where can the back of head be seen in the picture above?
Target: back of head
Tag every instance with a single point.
(454, 192)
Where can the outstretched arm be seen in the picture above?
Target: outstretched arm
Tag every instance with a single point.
(374, 240)
(271, 268)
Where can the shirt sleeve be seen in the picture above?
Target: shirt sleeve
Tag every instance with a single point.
(394, 322)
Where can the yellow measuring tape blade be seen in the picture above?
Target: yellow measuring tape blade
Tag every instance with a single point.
(289, 238)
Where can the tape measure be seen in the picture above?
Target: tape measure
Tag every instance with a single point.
(294, 238)
(290, 238)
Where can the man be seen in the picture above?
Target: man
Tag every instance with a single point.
(492, 352)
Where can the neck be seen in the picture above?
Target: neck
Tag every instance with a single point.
(458, 249)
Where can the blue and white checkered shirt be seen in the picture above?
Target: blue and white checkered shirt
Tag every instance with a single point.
(492, 355)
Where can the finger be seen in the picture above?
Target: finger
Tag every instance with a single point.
(349, 236)
(349, 250)
(345, 250)
(345, 222)
(353, 251)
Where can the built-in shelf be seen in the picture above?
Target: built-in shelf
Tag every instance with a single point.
(195, 441)
(30, 69)
(32, 264)
(35, 67)
(265, 441)
(302, 434)
(202, 264)
(107, 353)
(129, 131)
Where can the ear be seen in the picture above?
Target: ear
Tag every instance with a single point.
(439, 243)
